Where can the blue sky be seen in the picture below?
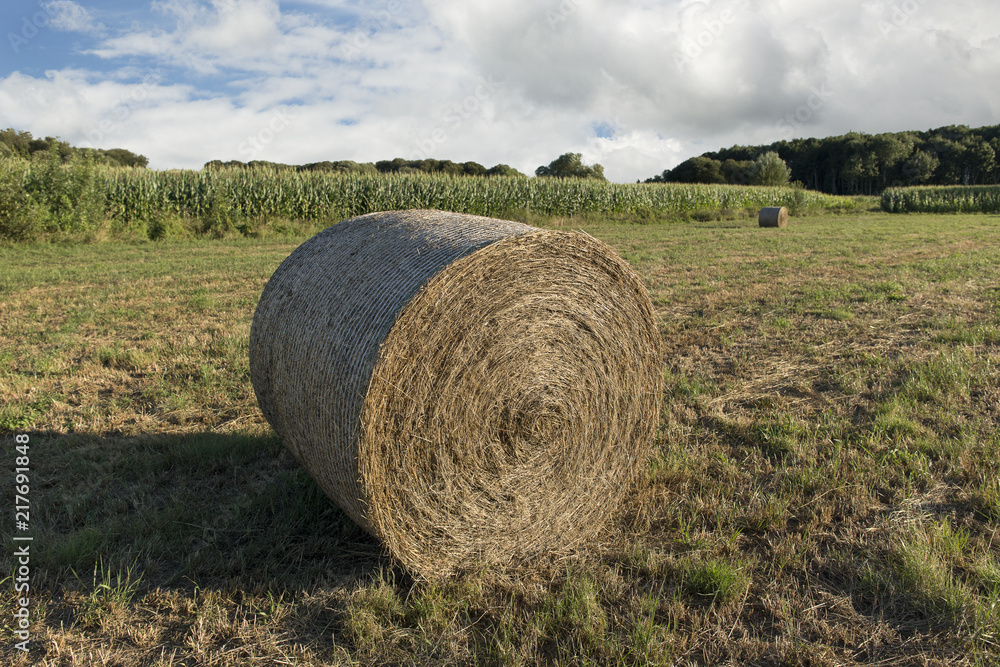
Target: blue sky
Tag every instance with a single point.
(636, 85)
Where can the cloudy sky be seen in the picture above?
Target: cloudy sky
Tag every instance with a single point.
(636, 85)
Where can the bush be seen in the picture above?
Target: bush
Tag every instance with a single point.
(18, 218)
(164, 226)
(218, 220)
(66, 198)
(797, 206)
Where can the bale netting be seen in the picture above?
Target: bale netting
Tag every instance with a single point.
(773, 216)
(468, 390)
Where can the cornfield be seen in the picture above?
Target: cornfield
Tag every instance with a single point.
(942, 199)
(249, 194)
(136, 200)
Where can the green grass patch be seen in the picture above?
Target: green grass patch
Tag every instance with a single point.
(715, 580)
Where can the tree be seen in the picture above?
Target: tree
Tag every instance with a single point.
(769, 169)
(395, 164)
(17, 141)
(126, 158)
(696, 170)
(737, 172)
(266, 165)
(994, 175)
(862, 163)
(570, 165)
(920, 167)
(503, 170)
(473, 169)
(448, 167)
(982, 162)
(890, 150)
(951, 159)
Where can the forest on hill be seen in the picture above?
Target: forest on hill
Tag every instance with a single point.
(858, 163)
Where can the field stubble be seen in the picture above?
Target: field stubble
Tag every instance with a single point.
(825, 490)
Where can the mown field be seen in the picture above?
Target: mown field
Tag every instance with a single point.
(825, 489)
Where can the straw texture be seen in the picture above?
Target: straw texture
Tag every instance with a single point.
(468, 390)
(773, 216)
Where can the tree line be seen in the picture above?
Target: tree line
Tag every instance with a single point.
(567, 165)
(14, 143)
(858, 163)
(23, 145)
(394, 166)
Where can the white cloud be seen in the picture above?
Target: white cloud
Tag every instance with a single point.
(235, 34)
(80, 107)
(68, 16)
(256, 36)
(663, 79)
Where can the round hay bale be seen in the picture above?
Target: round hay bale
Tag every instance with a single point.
(773, 216)
(468, 390)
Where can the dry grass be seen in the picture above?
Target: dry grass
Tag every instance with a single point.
(824, 490)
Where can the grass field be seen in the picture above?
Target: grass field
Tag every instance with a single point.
(825, 492)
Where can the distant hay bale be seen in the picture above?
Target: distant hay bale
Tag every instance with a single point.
(468, 390)
(773, 216)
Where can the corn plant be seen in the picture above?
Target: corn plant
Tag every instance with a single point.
(258, 194)
(942, 199)
(138, 201)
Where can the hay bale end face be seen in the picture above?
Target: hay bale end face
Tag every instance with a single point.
(773, 216)
(468, 390)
